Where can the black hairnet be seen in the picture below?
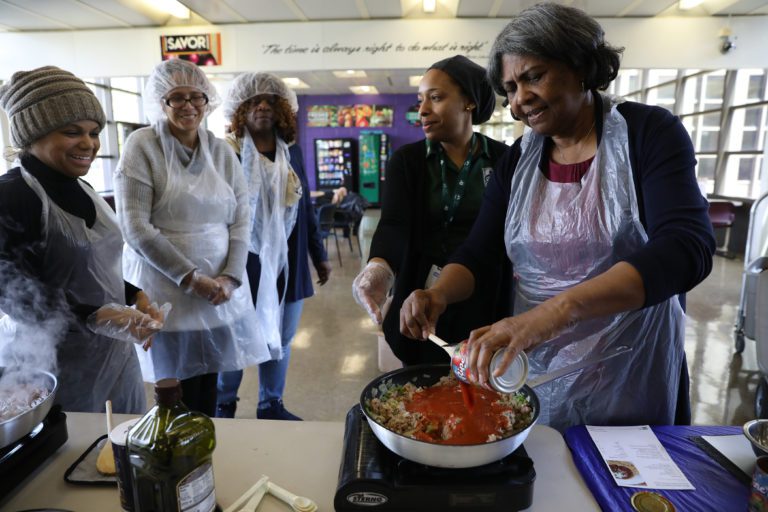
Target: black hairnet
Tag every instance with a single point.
(471, 78)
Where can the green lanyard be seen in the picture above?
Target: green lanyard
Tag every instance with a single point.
(451, 204)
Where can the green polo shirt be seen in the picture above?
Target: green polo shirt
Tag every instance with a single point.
(442, 241)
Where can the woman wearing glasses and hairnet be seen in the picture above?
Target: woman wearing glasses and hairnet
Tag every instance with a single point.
(262, 112)
(183, 209)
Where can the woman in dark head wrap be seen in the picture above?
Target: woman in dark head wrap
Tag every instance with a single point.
(433, 193)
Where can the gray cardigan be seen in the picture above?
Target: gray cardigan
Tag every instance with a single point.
(140, 181)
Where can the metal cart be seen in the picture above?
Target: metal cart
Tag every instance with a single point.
(752, 319)
(755, 262)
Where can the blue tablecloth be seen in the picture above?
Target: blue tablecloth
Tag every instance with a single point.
(717, 489)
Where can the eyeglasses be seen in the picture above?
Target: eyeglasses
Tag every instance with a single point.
(180, 101)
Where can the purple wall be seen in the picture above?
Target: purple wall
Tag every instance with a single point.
(400, 133)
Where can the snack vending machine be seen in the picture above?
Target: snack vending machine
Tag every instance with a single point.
(335, 164)
(374, 153)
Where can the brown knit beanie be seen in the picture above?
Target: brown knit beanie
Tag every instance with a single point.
(44, 99)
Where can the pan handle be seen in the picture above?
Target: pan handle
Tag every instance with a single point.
(573, 368)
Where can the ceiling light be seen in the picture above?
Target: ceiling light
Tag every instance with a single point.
(684, 5)
(414, 80)
(172, 7)
(350, 73)
(364, 89)
(429, 5)
(295, 83)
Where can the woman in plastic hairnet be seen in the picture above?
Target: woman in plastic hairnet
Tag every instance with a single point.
(60, 249)
(182, 203)
(601, 216)
(262, 110)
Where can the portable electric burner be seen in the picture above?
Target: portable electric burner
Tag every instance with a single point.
(22, 457)
(371, 477)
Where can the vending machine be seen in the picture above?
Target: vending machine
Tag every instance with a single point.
(335, 164)
(374, 153)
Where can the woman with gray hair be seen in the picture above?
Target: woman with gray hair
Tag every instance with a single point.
(262, 112)
(183, 208)
(600, 214)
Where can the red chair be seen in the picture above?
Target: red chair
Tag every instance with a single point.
(722, 215)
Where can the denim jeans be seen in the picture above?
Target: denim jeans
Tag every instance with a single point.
(271, 373)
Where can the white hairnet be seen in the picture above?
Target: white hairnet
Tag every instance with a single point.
(248, 85)
(169, 75)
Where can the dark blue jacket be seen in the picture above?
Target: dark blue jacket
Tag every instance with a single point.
(304, 238)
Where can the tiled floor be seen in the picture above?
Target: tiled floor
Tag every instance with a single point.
(335, 350)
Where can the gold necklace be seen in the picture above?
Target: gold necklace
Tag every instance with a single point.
(562, 157)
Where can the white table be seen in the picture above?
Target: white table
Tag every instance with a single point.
(303, 457)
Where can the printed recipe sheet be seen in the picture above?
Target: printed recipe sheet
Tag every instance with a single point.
(636, 458)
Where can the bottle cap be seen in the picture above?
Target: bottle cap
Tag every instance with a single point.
(167, 391)
(647, 501)
(515, 375)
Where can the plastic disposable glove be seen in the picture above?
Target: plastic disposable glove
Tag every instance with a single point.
(123, 323)
(227, 285)
(201, 285)
(370, 288)
(150, 308)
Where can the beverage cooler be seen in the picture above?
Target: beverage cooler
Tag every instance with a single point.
(335, 164)
(374, 153)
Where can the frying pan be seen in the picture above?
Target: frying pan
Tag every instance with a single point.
(433, 454)
(458, 456)
(13, 429)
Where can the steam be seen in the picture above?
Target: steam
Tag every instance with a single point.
(35, 319)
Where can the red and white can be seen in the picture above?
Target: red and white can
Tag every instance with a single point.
(511, 380)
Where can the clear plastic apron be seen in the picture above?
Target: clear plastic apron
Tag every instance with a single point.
(194, 213)
(560, 234)
(86, 264)
(271, 224)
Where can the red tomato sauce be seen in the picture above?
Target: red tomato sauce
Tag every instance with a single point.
(444, 407)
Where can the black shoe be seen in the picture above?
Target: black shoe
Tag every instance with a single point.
(276, 411)
(226, 410)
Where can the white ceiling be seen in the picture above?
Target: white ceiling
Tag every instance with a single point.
(45, 15)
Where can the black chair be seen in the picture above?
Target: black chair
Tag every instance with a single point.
(349, 215)
(326, 226)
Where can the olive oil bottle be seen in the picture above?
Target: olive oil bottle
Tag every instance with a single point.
(170, 451)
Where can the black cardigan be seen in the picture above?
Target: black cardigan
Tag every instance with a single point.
(400, 238)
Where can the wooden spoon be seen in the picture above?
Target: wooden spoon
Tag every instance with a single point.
(105, 462)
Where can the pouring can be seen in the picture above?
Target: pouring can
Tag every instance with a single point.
(511, 380)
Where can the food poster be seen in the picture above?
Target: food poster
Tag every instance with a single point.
(373, 115)
(346, 116)
(321, 116)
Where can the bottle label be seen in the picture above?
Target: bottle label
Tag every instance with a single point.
(195, 491)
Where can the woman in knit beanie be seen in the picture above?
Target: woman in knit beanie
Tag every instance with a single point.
(60, 251)
(183, 207)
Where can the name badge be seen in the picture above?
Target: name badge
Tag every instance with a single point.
(434, 273)
(487, 171)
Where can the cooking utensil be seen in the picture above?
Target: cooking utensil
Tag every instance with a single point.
(297, 503)
(250, 498)
(105, 462)
(13, 429)
(458, 456)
